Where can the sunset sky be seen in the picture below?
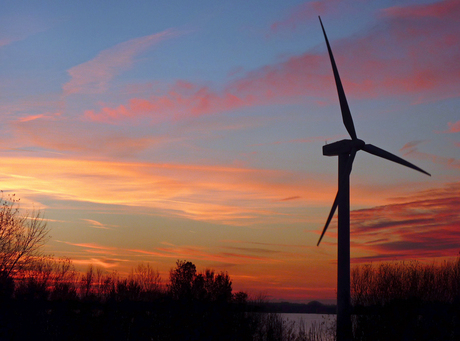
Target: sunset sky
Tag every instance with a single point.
(152, 131)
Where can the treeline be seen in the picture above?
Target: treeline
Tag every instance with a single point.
(406, 301)
(43, 298)
(51, 301)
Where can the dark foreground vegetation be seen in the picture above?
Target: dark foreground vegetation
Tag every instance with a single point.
(407, 301)
(43, 298)
(55, 303)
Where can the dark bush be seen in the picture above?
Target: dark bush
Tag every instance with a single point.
(406, 301)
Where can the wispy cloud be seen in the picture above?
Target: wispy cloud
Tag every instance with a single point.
(89, 246)
(438, 10)
(93, 253)
(389, 60)
(453, 127)
(94, 76)
(183, 99)
(305, 140)
(229, 195)
(271, 84)
(65, 135)
(425, 224)
(302, 13)
(102, 262)
(410, 149)
(19, 27)
(98, 225)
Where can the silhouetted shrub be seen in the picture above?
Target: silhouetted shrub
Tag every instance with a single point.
(407, 301)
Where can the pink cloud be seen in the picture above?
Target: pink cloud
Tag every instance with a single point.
(410, 149)
(182, 100)
(302, 13)
(436, 10)
(271, 84)
(93, 76)
(416, 58)
(453, 127)
(5, 41)
(17, 27)
(425, 224)
(39, 116)
(410, 146)
(307, 140)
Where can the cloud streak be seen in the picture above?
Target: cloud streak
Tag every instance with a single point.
(453, 127)
(302, 13)
(229, 195)
(389, 60)
(94, 76)
(410, 149)
(423, 225)
(98, 225)
(65, 135)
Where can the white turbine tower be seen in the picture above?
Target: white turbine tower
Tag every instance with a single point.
(346, 151)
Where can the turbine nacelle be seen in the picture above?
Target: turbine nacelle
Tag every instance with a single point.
(343, 147)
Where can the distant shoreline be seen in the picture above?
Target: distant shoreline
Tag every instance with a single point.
(313, 307)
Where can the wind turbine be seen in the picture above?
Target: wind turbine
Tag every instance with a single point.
(346, 151)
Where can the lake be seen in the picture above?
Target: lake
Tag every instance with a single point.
(307, 320)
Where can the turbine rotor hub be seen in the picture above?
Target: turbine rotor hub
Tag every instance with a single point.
(342, 147)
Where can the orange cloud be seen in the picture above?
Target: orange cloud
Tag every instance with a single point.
(228, 195)
(89, 246)
(94, 253)
(93, 76)
(64, 135)
(96, 224)
(31, 118)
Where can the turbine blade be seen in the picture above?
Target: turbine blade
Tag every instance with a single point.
(347, 172)
(346, 114)
(329, 218)
(371, 149)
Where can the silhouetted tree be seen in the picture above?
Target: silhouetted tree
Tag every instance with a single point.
(22, 237)
(148, 279)
(218, 287)
(181, 280)
(87, 281)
